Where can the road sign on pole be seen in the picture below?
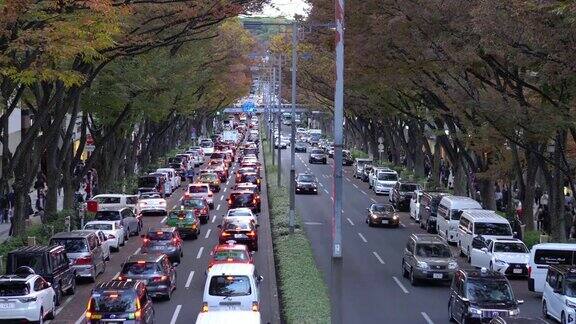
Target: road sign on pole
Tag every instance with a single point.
(380, 148)
(248, 106)
(380, 140)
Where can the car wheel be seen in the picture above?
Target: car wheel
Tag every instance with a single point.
(469, 258)
(404, 271)
(463, 320)
(211, 206)
(544, 310)
(461, 251)
(563, 318)
(450, 316)
(369, 223)
(58, 295)
(413, 280)
(50, 315)
(255, 247)
(41, 316)
(72, 289)
(103, 266)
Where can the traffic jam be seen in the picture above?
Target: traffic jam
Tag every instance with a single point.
(183, 194)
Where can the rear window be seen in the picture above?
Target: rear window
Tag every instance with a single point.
(249, 177)
(207, 177)
(306, 178)
(72, 245)
(207, 144)
(408, 187)
(147, 182)
(8, 289)
(217, 156)
(159, 236)
(107, 200)
(317, 151)
(139, 268)
(242, 198)
(113, 302)
(181, 215)
(237, 226)
(193, 203)
(496, 229)
(103, 227)
(230, 286)
(548, 257)
(108, 215)
(236, 255)
(34, 261)
(198, 189)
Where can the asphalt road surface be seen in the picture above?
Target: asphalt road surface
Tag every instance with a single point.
(187, 299)
(374, 290)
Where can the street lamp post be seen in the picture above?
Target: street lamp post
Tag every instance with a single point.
(291, 215)
(279, 112)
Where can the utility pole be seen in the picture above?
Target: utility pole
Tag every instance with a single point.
(279, 112)
(271, 120)
(291, 215)
(337, 262)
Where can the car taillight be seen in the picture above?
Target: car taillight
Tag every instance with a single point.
(529, 271)
(175, 241)
(120, 278)
(226, 234)
(204, 307)
(160, 279)
(205, 210)
(251, 233)
(145, 241)
(254, 201)
(230, 201)
(255, 306)
(210, 194)
(83, 261)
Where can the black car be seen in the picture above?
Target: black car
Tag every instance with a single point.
(347, 158)
(244, 198)
(120, 301)
(402, 193)
(317, 155)
(477, 296)
(50, 262)
(306, 183)
(382, 215)
(154, 270)
(163, 240)
(300, 147)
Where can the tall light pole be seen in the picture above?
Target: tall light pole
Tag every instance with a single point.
(336, 273)
(271, 120)
(279, 112)
(291, 215)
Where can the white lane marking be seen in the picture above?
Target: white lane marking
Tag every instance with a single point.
(362, 237)
(355, 186)
(199, 255)
(427, 318)
(326, 191)
(378, 257)
(225, 189)
(137, 251)
(321, 185)
(221, 197)
(364, 192)
(218, 207)
(81, 319)
(116, 275)
(207, 233)
(312, 223)
(175, 315)
(189, 280)
(63, 305)
(163, 220)
(350, 221)
(214, 218)
(373, 200)
(400, 284)
(347, 179)
(402, 224)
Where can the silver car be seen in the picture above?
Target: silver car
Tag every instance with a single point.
(428, 257)
(84, 251)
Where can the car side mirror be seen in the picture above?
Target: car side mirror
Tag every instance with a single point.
(520, 301)
(219, 226)
(174, 264)
(257, 225)
(558, 291)
(260, 278)
(48, 285)
(465, 300)
(485, 250)
(515, 234)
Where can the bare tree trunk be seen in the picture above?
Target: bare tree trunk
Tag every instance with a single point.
(487, 193)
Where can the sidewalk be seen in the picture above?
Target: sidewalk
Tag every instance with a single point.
(5, 227)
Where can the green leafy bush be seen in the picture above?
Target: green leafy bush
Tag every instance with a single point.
(531, 238)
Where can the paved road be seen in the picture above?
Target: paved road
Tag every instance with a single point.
(373, 286)
(186, 300)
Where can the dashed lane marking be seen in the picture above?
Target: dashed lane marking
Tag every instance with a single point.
(427, 318)
(199, 255)
(214, 218)
(355, 186)
(175, 315)
(362, 237)
(218, 207)
(364, 192)
(163, 220)
(400, 285)
(189, 280)
(312, 223)
(63, 305)
(326, 191)
(225, 188)
(221, 197)
(207, 233)
(373, 200)
(350, 221)
(402, 224)
(378, 257)
(137, 251)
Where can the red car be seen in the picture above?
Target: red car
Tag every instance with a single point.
(200, 207)
(230, 253)
(241, 230)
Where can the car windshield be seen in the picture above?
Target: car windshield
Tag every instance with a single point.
(108, 215)
(433, 251)
(113, 302)
(510, 247)
(181, 214)
(193, 203)
(147, 182)
(72, 245)
(387, 176)
(18, 288)
(241, 197)
(483, 290)
(139, 268)
(198, 189)
(249, 178)
(497, 229)
(159, 236)
(98, 226)
(382, 208)
(306, 178)
(408, 187)
(236, 255)
(229, 286)
(317, 151)
(107, 200)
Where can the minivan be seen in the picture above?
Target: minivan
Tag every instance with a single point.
(359, 166)
(485, 223)
(115, 201)
(559, 296)
(173, 177)
(428, 210)
(449, 211)
(84, 251)
(544, 255)
(231, 286)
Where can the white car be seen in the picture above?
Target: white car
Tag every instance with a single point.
(105, 243)
(173, 177)
(242, 212)
(559, 294)
(384, 182)
(26, 296)
(200, 190)
(236, 283)
(115, 201)
(152, 203)
(415, 205)
(114, 233)
(507, 256)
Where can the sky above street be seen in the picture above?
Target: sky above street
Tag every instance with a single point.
(285, 8)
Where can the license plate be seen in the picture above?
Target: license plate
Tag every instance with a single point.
(7, 305)
(518, 271)
(437, 276)
(239, 236)
(385, 222)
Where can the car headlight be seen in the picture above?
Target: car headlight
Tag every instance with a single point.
(500, 262)
(373, 215)
(514, 312)
(395, 217)
(453, 265)
(422, 265)
(570, 304)
(474, 311)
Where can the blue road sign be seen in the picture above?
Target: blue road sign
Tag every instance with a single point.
(248, 106)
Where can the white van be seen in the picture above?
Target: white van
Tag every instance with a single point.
(115, 201)
(173, 177)
(231, 287)
(448, 217)
(384, 181)
(236, 317)
(485, 223)
(545, 254)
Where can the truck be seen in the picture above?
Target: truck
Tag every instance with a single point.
(230, 136)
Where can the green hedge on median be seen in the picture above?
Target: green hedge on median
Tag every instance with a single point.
(303, 293)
